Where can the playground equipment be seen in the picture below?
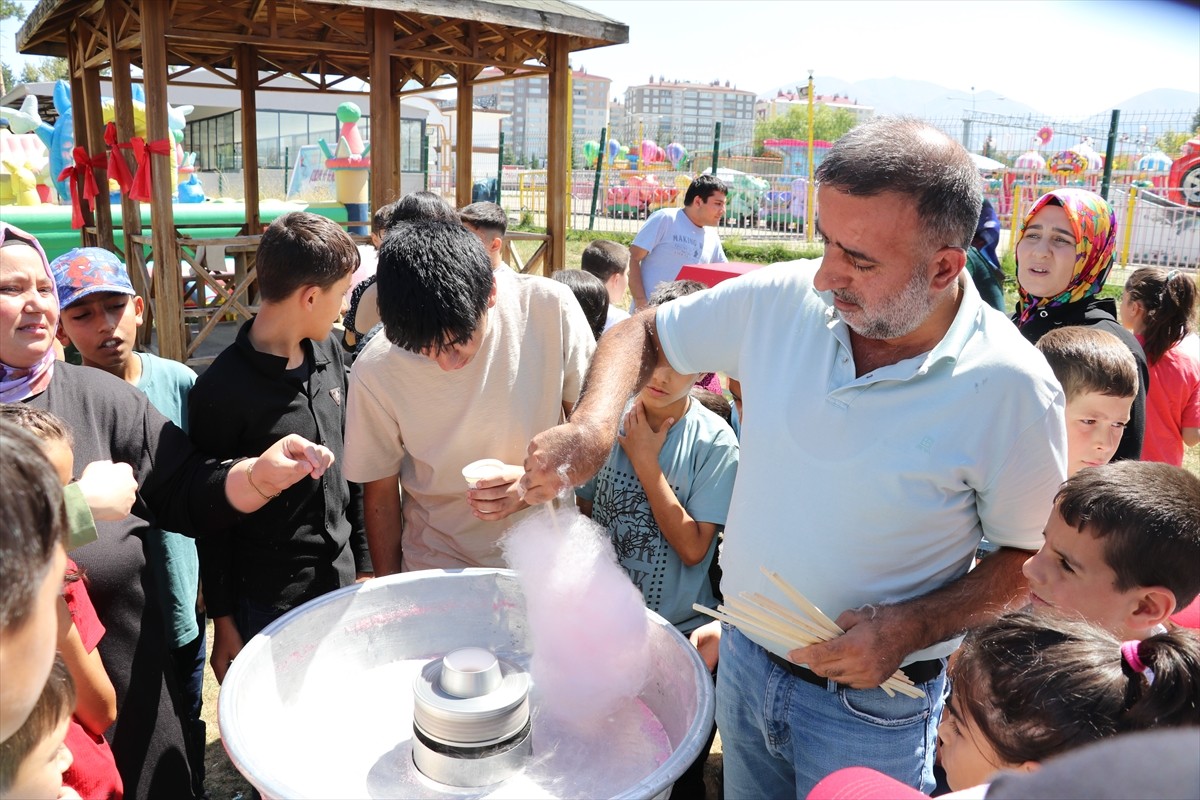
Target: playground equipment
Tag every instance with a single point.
(743, 202)
(1184, 177)
(794, 153)
(638, 196)
(351, 166)
(24, 170)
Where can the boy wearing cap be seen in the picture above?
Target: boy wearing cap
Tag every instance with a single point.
(100, 315)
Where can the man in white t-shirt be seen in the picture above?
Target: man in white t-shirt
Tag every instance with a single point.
(892, 420)
(472, 364)
(675, 237)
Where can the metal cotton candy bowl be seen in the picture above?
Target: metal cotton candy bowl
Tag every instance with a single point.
(310, 709)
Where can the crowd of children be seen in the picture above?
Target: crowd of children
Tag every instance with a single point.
(101, 654)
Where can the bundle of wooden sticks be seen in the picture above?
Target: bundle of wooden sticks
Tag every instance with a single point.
(763, 617)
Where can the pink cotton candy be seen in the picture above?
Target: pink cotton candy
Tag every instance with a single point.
(587, 622)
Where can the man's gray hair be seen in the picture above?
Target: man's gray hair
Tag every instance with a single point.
(911, 158)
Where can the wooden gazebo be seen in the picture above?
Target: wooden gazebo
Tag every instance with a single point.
(398, 47)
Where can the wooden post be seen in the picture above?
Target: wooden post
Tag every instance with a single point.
(385, 114)
(102, 211)
(131, 210)
(168, 278)
(247, 76)
(557, 157)
(79, 118)
(464, 137)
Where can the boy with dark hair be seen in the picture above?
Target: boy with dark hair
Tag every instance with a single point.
(33, 760)
(33, 532)
(1099, 376)
(590, 293)
(472, 361)
(674, 237)
(489, 222)
(284, 373)
(100, 316)
(609, 261)
(1122, 545)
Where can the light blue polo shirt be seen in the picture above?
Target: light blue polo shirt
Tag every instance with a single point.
(876, 488)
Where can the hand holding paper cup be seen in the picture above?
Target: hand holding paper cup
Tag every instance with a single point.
(482, 470)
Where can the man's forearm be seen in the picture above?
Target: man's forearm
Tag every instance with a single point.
(624, 360)
(637, 288)
(994, 586)
(382, 514)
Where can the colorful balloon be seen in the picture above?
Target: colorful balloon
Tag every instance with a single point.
(676, 153)
(647, 150)
(614, 149)
(1045, 135)
(590, 151)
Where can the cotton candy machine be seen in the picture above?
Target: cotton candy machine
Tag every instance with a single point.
(416, 685)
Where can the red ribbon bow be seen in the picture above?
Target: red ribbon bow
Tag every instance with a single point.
(118, 169)
(142, 149)
(82, 168)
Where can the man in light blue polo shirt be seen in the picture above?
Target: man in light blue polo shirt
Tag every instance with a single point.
(892, 419)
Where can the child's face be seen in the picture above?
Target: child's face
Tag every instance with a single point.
(616, 285)
(1046, 253)
(27, 652)
(103, 327)
(61, 458)
(966, 754)
(1071, 576)
(1095, 423)
(39, 776)
(666, 387)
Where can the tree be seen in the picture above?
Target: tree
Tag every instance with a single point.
(48, 70)
(1172, 143)
(9, 9)
(829, 124)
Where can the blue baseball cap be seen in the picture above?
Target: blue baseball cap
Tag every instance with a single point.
(86, 270)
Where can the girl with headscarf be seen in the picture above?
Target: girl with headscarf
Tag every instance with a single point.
(178, 488)
(1064, 253)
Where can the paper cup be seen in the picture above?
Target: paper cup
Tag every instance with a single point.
(481, 470)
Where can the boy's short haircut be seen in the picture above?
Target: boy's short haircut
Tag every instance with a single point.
(302, 249)
(434, 280)
(41, 423)
(591, 294)
(485, 217)
(84, 271)
(673, 290)
(704, 187)
(604, 258)
(1147, 515)
(56, 703)
(381, 220)
(716, 403)
(421, 205)
(1086, 359)
(33, 521)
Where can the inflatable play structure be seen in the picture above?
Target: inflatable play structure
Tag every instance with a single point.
(63, 156)
(351, 166)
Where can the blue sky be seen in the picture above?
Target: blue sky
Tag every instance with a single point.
(1067, 57)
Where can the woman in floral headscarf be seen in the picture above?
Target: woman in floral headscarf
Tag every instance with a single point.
(1064, 253)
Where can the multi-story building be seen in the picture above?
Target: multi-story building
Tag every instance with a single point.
(779, 105)
(677, 111)
(526, 131)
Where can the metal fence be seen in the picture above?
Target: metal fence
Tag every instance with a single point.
(769, 194)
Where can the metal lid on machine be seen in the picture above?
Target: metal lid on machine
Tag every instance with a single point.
(471, 698)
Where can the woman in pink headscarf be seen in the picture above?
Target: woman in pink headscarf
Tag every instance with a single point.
(1064, 253)
(178, 488)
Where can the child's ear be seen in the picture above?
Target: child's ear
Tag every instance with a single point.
(309, 296)
(62, 337)
(139, 306)
(1155, 606)
(497, 244)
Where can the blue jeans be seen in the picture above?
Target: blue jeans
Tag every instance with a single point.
(781, 735)
(252, 617)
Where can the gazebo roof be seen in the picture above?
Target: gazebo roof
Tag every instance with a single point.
(433, 38)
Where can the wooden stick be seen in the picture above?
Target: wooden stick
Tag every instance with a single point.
(779, 610)
(803, 603)
(798, 634)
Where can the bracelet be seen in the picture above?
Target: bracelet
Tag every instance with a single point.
(253, 485)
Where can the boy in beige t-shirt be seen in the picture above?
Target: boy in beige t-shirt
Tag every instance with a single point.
(473, 363)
